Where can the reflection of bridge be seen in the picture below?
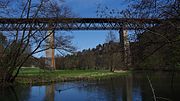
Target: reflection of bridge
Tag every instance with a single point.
(122, 24)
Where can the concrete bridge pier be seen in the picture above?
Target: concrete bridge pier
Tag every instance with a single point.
(50, 59)
(125, 44)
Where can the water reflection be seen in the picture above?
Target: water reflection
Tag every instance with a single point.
(133, 87)
(50, 93)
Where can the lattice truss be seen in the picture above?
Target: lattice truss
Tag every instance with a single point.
(11, 24)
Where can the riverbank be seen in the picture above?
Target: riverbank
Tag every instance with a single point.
(40, 76)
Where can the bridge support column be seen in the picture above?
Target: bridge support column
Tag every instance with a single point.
(125, 44)
(50, 59)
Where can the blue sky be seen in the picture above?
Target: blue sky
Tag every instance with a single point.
(87, 8)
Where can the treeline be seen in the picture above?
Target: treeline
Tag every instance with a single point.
(106, 56)
(157, 49)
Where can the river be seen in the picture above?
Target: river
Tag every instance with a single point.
(132, 87)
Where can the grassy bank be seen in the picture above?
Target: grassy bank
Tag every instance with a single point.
(37, 76)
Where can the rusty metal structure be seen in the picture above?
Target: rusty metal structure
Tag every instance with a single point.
(11, 24)
(49, 24)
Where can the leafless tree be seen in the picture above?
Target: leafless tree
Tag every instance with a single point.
(15, 53)
(164, 35)
(160, 44)
(110, 37)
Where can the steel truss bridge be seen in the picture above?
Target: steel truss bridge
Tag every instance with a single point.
(11, 24)
(45, 24)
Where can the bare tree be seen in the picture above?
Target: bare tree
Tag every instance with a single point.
(158, 46)
(158, 37)
(14, 53)
(163, 37)
(110, 37)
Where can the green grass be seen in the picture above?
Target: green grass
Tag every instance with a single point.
(36, 75)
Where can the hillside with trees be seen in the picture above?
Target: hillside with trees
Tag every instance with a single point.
(154, 49)
(106, 56)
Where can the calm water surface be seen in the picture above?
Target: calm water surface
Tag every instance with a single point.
(133, 87)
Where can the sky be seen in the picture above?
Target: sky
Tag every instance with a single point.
(87, 9)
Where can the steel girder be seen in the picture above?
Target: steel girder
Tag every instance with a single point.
(11, 24)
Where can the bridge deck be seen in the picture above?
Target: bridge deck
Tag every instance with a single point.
(11, 24)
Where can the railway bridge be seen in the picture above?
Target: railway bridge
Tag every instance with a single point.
(51, 24)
